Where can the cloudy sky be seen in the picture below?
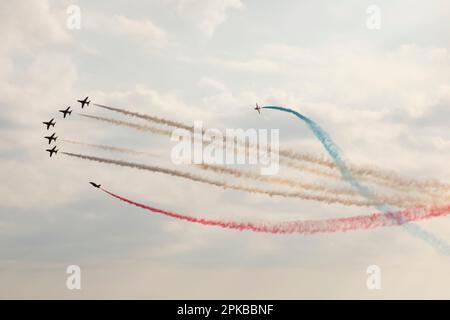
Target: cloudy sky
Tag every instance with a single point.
(383, 94)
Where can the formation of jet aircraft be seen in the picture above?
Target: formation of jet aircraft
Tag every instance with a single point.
(84, 102)
(52, 123)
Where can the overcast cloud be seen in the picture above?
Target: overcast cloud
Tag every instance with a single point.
(384, 95)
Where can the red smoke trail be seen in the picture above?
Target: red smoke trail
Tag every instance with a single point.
(309, 226)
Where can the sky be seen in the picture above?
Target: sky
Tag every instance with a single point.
(382, 94)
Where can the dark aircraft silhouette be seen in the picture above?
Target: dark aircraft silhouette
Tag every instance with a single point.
(258, 108)
(52, 151)
(84, 102)
(51, 138)
(95, 185)
(66, 112)
(49, 124)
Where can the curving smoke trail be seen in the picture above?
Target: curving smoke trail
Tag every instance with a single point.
(403, 201)
(155, 130)
(366, 173)
(297, 194)
(307, 227)
(335, 153)
(332, 149)
(390, 217)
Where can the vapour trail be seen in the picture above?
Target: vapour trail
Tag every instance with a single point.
(154, 119)
(193, 177)
(110, 148)
(399, 201)
(335, 153)
(405, 202)
(370, 174)
(306, 227)
(341, 191)
(164, 132)
(389, 179)
(235, 172)
(179, 125)
(129, 125)
(298, 166)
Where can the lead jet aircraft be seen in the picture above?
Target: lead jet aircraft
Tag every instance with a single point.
(84, 102)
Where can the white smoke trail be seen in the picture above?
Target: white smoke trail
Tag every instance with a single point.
(301, 195)
(110, 148)
(365, 173)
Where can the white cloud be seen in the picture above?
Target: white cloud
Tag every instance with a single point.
(48, 74)
(207, 14)
(26, 25)
(142, 98)
(404, 78)
(253, 65)
(210, 83)
(144, 30)
(297, 54)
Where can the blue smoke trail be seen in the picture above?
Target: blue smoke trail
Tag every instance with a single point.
(335, 153)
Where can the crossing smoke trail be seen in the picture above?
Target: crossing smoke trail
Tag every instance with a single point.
(307, 227)
(164, 132)
(339, 162)
(344, 169)
(389, 179)
(168, 133)
(335, 153)
(179, 125)
(323, 189)
(404, 202)
(332, 149)
(229, 171)
(297, 194)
